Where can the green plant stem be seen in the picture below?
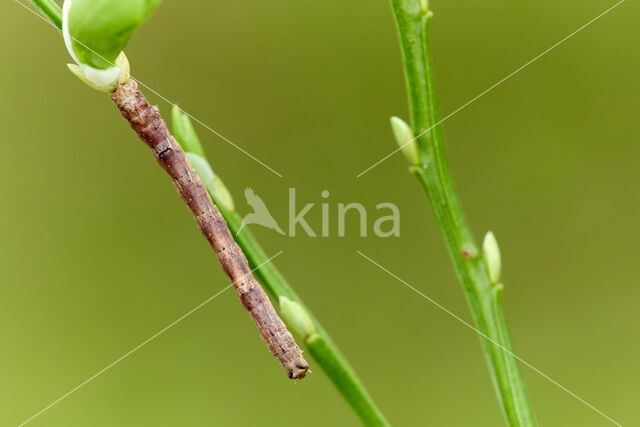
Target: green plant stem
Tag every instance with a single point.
(51, 10)
(319, 344)
(412, 20)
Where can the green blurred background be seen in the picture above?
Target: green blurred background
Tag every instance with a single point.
(97, 252)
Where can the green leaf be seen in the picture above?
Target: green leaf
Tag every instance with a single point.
(100, 29)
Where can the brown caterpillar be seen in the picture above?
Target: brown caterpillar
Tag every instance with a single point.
(150, 127)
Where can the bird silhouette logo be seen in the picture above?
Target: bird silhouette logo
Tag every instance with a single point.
(260, 214)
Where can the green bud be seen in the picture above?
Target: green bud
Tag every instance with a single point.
(405, 139)
(103, 80)
(297, 317)
(491, 255)
(424, 5)
(186, 136)
(184, 132)
(219, 192)
(96, 31)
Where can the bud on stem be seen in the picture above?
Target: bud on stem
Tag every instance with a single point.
(95, 34)
(491, 255)
(96, 31)
(297, 317)
(215, 186)
(103, 80)
(184, 132)
(406, 140)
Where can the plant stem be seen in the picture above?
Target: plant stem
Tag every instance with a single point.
(318, 343)
(51, 10)
(412, 19)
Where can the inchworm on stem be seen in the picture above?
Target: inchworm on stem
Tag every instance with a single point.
(146, 121)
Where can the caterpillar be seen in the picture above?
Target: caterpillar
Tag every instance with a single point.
(152, 130)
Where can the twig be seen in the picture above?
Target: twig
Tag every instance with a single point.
(152, 130)
(476, 273)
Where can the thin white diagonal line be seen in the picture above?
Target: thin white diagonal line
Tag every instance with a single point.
(209, 128)
(498, 83)
(506, 350)
(136, 348)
